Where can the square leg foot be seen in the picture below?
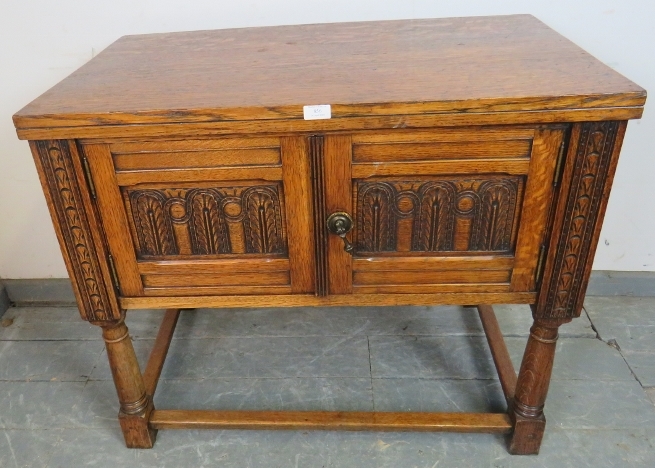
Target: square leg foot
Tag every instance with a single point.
(136, 430)
(527, 435)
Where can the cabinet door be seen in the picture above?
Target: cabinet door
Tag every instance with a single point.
(440, 211)
(206, 216)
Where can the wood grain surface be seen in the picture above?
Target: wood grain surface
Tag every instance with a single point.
(451, 65)
(159, 350)
(331, 420)
(547, 144)
(499, 351)
(275, 299)
(297, 125)
(474, 155)
(338, 197)
(297, 185)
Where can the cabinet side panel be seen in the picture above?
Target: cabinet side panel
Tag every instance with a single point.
(583, 194)
(77, 228)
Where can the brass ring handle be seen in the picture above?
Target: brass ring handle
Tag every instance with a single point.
(340, 224)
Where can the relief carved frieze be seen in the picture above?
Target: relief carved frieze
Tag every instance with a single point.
(561, 294)
(446, 215)
(57, 171)
(207, 220)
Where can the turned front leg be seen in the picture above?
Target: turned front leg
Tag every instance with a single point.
(135, 404)
(532, 388)
(583, 187)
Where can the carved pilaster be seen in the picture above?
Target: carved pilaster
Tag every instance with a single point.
(320, 214)
(69, 202)
(583, 193)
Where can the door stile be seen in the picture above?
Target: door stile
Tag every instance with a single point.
(337, 156)
(547, 148)
(110, 204)
(296, 180)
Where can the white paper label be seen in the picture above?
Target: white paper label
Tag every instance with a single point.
(322, 111)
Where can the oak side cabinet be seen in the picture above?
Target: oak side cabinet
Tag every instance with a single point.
(416, 162)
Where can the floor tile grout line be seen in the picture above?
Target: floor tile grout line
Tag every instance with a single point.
(370, 371)
(55, 447)
(614, 344)
(63, 436)
(96, 362)
(593, 327)
(440, 379)
(320, 377)
(139, 339)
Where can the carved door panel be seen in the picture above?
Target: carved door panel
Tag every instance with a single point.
(441, 211)
(205, 217)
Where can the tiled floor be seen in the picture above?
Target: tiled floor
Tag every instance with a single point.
(58, 405)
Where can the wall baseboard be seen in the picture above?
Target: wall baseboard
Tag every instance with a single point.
(59, 292)
(40, 292)
(622, 283)
(5, 303)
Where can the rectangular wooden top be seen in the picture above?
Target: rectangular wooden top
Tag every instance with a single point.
(450, 65)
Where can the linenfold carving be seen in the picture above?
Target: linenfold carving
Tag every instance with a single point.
(487, 205)
(204, 216)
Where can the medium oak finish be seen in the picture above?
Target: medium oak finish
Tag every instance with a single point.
(335, 420)
(465, 161)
